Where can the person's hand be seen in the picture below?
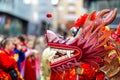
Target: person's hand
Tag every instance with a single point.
(21, 48)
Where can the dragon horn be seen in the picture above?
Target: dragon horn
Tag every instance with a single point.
(110, 17)
(103, 12)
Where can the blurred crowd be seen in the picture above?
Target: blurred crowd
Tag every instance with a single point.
(23, 59)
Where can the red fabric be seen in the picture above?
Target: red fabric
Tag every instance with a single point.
(82, 78)
(70, 75)
(6, 62)
(30, 70)
(91, 73)
(4, 75)
(55, 76)
(100, 76)
(66, 75)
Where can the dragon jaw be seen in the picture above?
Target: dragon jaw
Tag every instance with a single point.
(65, 56)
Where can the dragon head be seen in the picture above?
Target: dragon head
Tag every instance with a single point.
(87, 46)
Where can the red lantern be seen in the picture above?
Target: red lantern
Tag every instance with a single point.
(48, 15)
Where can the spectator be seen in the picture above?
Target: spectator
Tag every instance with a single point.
(19, 50)
(31, 62)
(8, 65)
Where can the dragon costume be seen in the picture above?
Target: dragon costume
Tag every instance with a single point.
(112, 69)
(81, 56)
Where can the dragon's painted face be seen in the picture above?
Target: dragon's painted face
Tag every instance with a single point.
(65, 53)
(86, 46)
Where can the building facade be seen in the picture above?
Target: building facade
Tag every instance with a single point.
(28, 14)
(14, 16)
(90, 5)
(69, 11)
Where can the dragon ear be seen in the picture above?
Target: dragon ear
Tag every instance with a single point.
(51, 36)
(118, 29)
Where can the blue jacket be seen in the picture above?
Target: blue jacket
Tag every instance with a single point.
(21, 57)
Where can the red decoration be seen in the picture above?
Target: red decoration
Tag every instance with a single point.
(48, 15)
(7, 62)
(80, 21)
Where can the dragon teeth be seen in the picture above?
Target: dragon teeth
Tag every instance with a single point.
(67, 52)
(61, 58)
(63, 51)
(71, 51)
(58, 59)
